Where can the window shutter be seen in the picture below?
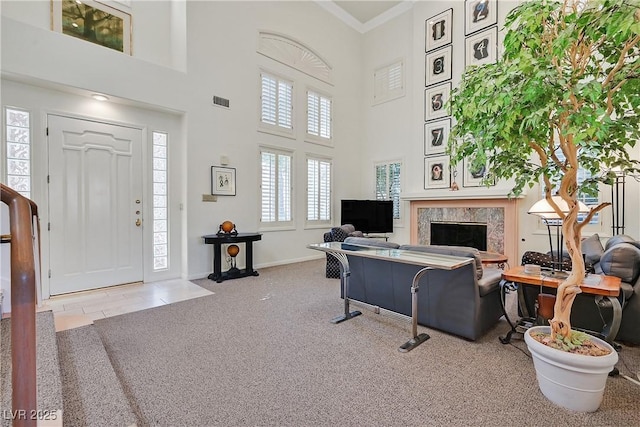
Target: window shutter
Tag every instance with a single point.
(268, 100)
(318, 190)
(284, 188)
(268, 187)
(276, 102)
(388, 82)
(318, 115)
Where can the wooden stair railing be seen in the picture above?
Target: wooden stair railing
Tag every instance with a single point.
(23, 218)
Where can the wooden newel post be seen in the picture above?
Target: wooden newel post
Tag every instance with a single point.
(23, 309)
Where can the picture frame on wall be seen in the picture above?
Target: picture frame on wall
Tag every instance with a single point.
(472, 177)
(436, 172)
(223, 181)
(482, 47)
(107, 26)
(435, 101)
(479, 14)
(437, 65)
(436, 135)
(438, 31)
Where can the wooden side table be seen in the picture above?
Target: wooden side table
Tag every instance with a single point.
(602, 287)
(217, 240)
(494, 258)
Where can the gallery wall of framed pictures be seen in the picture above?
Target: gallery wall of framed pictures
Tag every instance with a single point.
(480, 47)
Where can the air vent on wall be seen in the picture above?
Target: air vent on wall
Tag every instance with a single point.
(221, 102)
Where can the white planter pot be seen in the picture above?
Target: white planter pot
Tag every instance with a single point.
(573, 381)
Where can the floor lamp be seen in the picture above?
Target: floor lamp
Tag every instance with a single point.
(617, 203)
(544, 210)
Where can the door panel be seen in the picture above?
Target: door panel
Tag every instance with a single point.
(95, 192)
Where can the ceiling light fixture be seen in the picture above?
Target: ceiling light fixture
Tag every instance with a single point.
(100, 97)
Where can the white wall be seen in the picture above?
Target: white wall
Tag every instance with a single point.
(396, 129)
(221, 60)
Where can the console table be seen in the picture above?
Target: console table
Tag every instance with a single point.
(217, 240)
(427, 260)
(600, 286)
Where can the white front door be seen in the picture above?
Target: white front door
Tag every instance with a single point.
(95, 204)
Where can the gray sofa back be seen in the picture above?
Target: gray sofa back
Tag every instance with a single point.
(453, 301)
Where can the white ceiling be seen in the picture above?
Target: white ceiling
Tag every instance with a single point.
(364, 15)
(365, 10)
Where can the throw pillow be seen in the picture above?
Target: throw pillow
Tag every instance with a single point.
(592, 249)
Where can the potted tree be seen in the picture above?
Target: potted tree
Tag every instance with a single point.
(564, 96)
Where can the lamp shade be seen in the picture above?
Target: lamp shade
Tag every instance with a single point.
(543, 209)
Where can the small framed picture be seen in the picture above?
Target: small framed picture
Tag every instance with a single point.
(223, 181)
(482, 48)
(437, 30)
(472, 177)
(479, 14)
(436, 135)
(436, 172)
(435, 100)
(437, 65)
(93, 22)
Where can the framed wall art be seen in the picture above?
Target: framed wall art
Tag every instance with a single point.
(436, 135)
(223, 181)
(436, 172)
(472, 177)
(94, 22)
(437, 65)
(482, 47)
(438, 31)
(435, 100)
(479, 14)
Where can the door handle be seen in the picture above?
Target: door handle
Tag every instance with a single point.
(138, 222)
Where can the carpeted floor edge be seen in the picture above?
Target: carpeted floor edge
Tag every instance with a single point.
(93, 395)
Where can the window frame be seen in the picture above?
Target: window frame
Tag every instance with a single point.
(276, 129)
(317, 223)
(277, 224)
(398, 205)
(318, 139)
(386, 94)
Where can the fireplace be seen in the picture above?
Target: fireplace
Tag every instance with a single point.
(459, 234)
(499, 215)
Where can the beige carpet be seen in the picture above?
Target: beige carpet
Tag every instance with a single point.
(261, 351)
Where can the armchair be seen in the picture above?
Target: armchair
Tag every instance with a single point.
(338, 234)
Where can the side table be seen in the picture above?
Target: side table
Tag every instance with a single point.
(217, 240)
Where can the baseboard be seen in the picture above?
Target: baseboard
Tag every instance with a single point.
(263, 265)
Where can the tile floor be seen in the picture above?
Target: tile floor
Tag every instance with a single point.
(82, 308)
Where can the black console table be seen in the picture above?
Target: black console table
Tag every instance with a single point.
(217, 240)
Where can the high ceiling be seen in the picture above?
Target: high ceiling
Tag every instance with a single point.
(365, 10)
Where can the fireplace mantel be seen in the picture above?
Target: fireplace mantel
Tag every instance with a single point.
(504, 228)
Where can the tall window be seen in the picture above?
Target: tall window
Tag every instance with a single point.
(18, 145)
(160, 214)
(590, 201)
(276, 186)
(388, 184)
(318, 190)
(318, 116)
(276, 103)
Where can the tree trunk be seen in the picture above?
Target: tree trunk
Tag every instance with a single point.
(567, 291)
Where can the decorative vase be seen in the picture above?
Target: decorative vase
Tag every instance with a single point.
(573, 381)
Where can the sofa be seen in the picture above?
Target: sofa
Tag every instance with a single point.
(463, 302)
(338, 234)
(619, 257)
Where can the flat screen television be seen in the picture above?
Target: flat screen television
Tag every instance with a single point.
(368, 216)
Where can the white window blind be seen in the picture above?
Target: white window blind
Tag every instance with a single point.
(388, 184)
(318, 190)
(318, 115)
(18, 145)
(275, 187)
(276, 102)
(388, 82)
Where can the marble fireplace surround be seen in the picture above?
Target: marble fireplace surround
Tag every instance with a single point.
(500, 216)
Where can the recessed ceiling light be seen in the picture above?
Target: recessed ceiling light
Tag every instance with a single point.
(99, 97)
